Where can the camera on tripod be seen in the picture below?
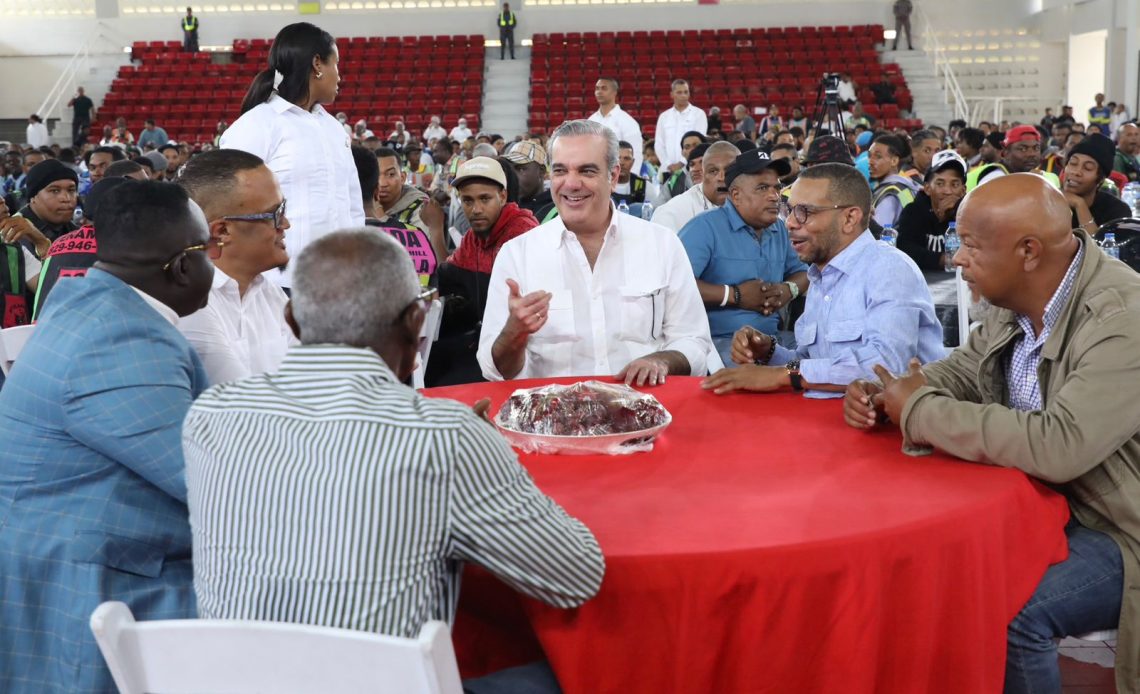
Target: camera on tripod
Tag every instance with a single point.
(827, 116)
(830, 84)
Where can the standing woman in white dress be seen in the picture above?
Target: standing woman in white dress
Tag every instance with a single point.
(283, 121)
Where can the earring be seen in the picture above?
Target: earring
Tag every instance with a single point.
(319, 74)
(221, 244)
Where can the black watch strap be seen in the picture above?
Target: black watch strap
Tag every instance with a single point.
(735, 295)
(793, 368)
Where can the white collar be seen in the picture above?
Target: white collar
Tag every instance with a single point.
(167, 313)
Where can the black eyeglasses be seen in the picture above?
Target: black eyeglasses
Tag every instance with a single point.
(278, 216)
(183, 252)
(801, 212)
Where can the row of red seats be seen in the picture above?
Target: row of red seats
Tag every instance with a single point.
(874, 32)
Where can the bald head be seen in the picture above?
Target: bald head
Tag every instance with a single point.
(1017, 242)
(1011, 206)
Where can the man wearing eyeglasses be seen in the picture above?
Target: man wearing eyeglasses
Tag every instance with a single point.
(745, 267)
(868, 303)
(242, 331)
(93, 491)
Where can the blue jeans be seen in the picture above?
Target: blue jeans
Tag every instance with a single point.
(1079, 595)
(533, 678)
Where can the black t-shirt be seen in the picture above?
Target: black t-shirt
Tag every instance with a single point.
(1105, 208)
(83, 106)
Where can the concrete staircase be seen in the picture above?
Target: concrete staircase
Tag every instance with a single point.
(930, 99)
(506, 87)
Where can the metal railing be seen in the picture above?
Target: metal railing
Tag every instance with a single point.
(79, 64)
(942, 68)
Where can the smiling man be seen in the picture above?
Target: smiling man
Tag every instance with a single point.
(867, 304)
(593, 292)
(242, 331)
(745, 267)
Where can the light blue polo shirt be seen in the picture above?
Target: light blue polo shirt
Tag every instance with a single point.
(724, 249)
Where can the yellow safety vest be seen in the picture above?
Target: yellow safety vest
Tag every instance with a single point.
(189, 24)
(508, 20)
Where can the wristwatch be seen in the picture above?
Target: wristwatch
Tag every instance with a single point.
(793, 369)
(794, 288)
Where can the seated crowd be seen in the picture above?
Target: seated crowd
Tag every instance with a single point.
(179, 395)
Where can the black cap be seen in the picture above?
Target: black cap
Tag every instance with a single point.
(826, 149)
(47, 172)
(1097, 146)
(996, 140)
(755, 162)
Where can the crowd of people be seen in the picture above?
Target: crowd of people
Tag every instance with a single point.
(225, 337)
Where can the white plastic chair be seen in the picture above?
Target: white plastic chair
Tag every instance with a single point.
(213, 656)
(12, 341)
(429, 334)
(1107, 635)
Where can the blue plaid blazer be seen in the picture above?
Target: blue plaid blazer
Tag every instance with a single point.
(92, 486)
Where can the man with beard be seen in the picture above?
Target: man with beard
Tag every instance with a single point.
(868, 303)
(744, 265)
(710, 195)
(922, 224)
(924, 144)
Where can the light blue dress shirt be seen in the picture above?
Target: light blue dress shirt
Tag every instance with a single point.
(870, 305)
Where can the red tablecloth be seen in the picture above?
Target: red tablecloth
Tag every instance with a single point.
(764, 546)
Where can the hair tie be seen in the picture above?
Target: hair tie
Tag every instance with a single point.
(277, 79)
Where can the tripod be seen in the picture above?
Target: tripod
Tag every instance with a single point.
(826, 118)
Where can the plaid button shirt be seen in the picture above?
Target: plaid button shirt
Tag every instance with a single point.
(1021, 366)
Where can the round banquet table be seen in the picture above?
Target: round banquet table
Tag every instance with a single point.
(764, 546)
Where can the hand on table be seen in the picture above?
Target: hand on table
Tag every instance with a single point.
(482, 408)
(862, 406)
(749, 344)
(527, 313)
(644, 371)
(898, 389)
(757, 379)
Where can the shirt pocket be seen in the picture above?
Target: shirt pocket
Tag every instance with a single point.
(642, 314)
(559, 326)
(845, 332)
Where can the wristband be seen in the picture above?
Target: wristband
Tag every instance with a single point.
(795, 289)
(736, 295)
(727, 293)
(763, 361)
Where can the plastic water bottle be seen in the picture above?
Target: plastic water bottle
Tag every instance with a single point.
(951, 244)
(890, 236)
(623, 207)
(1131, 197)
(1109, 245)
(647, 211)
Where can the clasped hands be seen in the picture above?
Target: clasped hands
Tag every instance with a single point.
(763, 297)
(867, 403)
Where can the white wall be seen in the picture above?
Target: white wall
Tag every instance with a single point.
(1087, 57)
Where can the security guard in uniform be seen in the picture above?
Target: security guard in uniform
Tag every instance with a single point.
(507, 22)
(190, 32)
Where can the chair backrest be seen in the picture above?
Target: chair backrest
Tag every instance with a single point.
(429, 333)
(12, 341)
(214, 656)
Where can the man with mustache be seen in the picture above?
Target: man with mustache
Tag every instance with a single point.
(745, 267)
(868, 302)
(710, 195)
(1021, 154)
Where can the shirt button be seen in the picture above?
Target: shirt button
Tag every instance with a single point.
(827, 298)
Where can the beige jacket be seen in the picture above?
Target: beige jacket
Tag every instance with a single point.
(1086, 439)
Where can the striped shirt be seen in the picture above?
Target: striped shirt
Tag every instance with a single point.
(330, 494)
(1021, 367)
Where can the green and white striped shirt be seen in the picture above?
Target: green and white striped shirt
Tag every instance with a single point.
(328, 493)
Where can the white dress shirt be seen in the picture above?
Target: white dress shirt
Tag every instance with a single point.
(626, 128)
(239, 336)
(671, 125)
(312, 159)
(168, 314)
(677, 212)
(846, 91)
(38, 135)
(460, 134)
(640, 297)
(433, 132)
